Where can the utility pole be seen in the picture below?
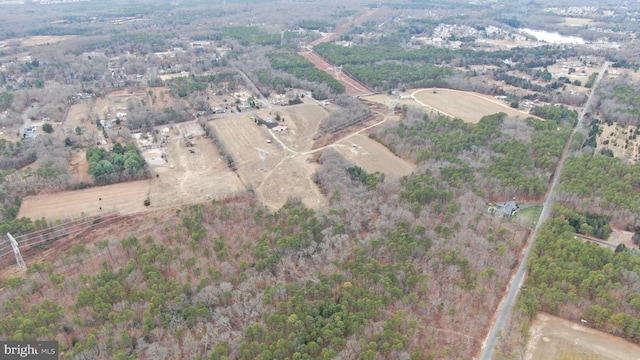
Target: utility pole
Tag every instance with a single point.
(16, 251)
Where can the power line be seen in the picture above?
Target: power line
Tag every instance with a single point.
(16, 251)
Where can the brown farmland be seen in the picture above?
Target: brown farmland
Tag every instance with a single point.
(373, 156)
(184, 173)
(556, 338)
(275, 169)
(470, 107)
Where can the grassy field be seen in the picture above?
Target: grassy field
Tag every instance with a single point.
(528, 216)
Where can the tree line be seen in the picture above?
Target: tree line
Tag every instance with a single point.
(122, 163)
(301, 68)
(581, 280)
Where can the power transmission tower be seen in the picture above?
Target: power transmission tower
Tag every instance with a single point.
(16, 251)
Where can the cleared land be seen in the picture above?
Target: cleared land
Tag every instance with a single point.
(78, 115)
(126, 198)
(571, 21)
(190, 174)
(580, 73)
(185, 177)
(352, 86)
(44, 40)
(277, 170)
(373, 156)
(115, 102)
(618, 237)
(391, 101)
(189, 169)
(470, 107)
(619, 139)
(555, 338)
(79, 167)
(164, 77)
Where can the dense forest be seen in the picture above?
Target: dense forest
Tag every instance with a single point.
(499, 156)
(618, 101)
(580, 280)
(603, 185)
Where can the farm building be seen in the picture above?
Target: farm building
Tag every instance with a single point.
(280, 128)
(269, 123)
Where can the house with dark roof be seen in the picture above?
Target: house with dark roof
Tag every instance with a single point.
(508, 209)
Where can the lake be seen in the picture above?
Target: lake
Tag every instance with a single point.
(553, 37)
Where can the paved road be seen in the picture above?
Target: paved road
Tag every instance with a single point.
(518, 278)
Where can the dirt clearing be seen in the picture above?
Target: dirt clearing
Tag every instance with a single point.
(618, 237)
(468, 106)
(352, 86)
(115, 102)
(373, 156)
(78, 115)
(620, 139)
(125, 198)
(555, 338)
(278, 165)
(44, 40)
(571, 21)
(184, 175)
(391, 101)
(191, 170)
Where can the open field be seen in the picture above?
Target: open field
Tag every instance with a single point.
(616, 138)
(125, 198)
(580, 73)
(165, 77)
(373, 156)
(160, 96)
(554, 338)
(303, 121)
(618, 237)
(571, 21)
(470, 107)
(79, 115)
(275, 172)
(184, 174)
(188, 177)
(115, 102)
(44, 40)
(528, 217)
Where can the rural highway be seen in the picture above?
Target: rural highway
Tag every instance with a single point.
(517, 279)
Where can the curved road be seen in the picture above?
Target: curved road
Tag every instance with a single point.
(518, 278)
